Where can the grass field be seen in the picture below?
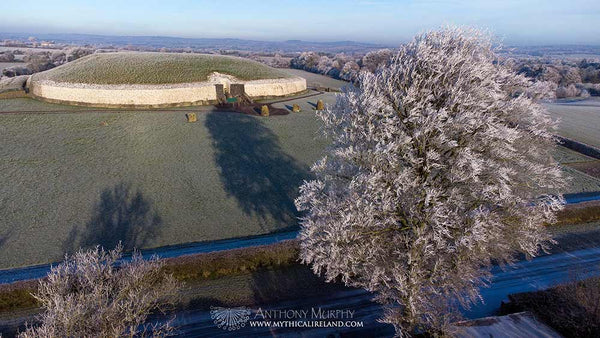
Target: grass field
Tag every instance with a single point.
(581, 170)
(75, 177)
(579, 119)
(591, 168)
(4, 65)
(147, 178)
(566, 155)
(141, 68)
(317, 80)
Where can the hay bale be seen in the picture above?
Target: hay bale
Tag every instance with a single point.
(296, 108)
(320, 105)
(264, 110)
(191, 117)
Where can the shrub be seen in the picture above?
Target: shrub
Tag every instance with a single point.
(579, 213)
(264, 110)
(233, 262)
(7, 57)
(18, 295)
(91, 295)
(16, 71)
(566, 92)
(296, 108)
(572, 309)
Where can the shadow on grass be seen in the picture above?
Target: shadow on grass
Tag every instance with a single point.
(4, 237)
(254, 169)
(120, 215)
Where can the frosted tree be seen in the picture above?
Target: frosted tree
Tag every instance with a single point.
(440, 163)
(91, 295)
(324, 65)
(350, 71)
(374, 59)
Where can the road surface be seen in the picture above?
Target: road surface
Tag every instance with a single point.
(538, 273)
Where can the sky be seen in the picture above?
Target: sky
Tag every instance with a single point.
(524, 22)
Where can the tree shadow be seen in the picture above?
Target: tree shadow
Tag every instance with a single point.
(254, 169)
(288, 283)
(297, 287)
(121, 215)
(4, 237)
(290, 108)
(313, 104)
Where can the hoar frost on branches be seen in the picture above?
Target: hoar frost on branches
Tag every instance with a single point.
(440, 163)
(93, 294)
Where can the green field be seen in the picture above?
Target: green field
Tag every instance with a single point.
(147, 178)
(579, 181)
(4, 65)
(141, 68)
(579, 119)
(74, 177)
(566, 155)
(317, 80)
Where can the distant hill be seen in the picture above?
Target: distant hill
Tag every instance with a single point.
(553, 51)
(201, 43)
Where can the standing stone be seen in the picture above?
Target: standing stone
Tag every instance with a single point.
(264, 111)
(191, 117)
(320, 105)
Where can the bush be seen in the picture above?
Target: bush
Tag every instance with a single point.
(566, 92)
(38, 62)
(16, 71)
(264, 110)
(572, 309)
(7, 57)
(18, 295)
(296, 108)
(579, 213)
(233, 262)
(93, 294)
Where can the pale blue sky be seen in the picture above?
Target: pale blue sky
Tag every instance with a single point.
(380, 21)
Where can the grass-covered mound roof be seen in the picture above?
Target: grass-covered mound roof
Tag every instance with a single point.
(156, 68)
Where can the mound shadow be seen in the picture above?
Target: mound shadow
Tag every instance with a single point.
(254, 169)
(120, 215)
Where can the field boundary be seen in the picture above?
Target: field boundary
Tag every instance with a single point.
(579, 147)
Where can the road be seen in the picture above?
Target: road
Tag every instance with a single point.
(538, 273)
(39, 271)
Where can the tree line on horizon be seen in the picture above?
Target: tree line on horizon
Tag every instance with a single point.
(565, 77)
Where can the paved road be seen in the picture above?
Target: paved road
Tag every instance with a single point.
(539, 273)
